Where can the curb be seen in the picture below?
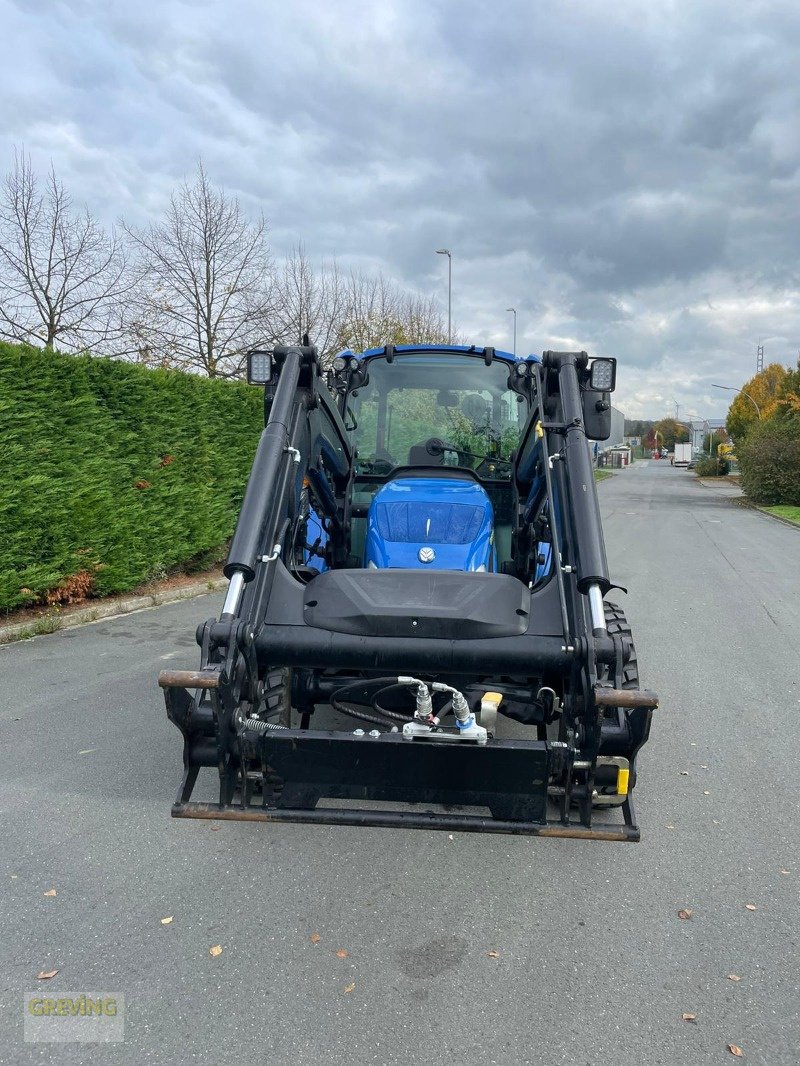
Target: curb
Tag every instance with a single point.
(743, 501)
(776, 517)
(106, 609)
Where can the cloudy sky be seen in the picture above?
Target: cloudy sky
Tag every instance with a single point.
(626, 174)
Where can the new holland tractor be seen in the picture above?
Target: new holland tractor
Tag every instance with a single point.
(415, 631)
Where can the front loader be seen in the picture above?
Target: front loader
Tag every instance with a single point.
(415, 632)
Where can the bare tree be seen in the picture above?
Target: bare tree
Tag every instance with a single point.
(61, 275)
(379, 312)
(423, 320)
(310, 301)
(204, 295)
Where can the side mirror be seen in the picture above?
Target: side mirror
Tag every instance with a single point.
(596, 414)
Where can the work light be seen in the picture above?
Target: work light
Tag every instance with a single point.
(339, 364)
(521, 369)
(259, 367)
(603, 375)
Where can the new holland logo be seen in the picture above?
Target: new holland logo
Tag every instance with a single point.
(426, 555)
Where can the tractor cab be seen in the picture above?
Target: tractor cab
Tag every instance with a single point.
(434, 430)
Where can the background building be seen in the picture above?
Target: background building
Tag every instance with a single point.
(617, 436)
(701, 428)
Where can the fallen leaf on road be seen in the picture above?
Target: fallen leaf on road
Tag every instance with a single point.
(706, 793)
(216, 950)
(45, 975)
(450, 836)
(689, 1017)
(784, 871)
(750, 907)
(349, 988)
(734, 977)
(215, 828)
(703, 766)
(493, 954)
(50, 892)
(315, 938)
(87, 751)
(684, 773)
(736, 1051)
(167, 920)
(670, 827)
(685, 914)
(342, 954)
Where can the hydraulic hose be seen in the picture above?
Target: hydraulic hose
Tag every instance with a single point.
(354, 712)
(386, 684)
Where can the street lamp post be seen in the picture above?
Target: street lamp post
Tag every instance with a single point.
(513, 311)
(730, 388)
(446, 251)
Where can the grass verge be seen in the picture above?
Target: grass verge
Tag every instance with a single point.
(601, 475)
(785, 511)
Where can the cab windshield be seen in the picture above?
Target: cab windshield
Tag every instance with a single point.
(436, 410)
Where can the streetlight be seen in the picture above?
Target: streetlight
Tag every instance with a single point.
(446, 251)
(513, 311)
(730, 388)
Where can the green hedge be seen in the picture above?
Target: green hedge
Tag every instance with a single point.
(114, 470)
(769, 459)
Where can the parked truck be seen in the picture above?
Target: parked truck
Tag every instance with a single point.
(683, 455)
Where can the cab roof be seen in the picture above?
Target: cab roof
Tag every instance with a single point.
(456, 349)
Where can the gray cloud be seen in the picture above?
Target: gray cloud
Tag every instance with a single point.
(627, 176)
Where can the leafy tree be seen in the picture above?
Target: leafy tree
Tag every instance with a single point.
(765, 391)
(669, 431)
(789, 402)
(769, 459)
(719, 436)
(638, 427)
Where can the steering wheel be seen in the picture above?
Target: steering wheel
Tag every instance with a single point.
(381, 463)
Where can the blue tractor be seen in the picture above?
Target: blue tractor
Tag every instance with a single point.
(419, 554)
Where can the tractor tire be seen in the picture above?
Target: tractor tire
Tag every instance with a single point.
(277, 694)
(617, 624)
(617, 744)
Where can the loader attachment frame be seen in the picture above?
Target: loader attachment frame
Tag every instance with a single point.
(543, 643)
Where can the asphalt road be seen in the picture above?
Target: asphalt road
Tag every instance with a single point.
(594, 964)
